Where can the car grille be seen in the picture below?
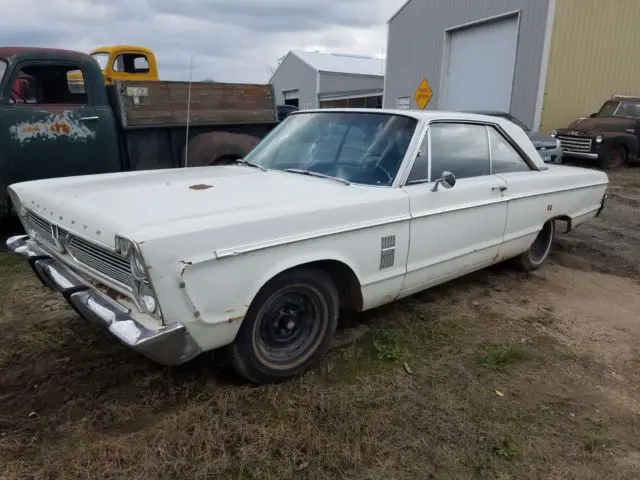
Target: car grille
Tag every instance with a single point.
(84, 252)
(575, 144)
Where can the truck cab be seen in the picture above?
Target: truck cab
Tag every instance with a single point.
(121, 62)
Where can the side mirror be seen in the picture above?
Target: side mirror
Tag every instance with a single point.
(593, 115)
(447, 179)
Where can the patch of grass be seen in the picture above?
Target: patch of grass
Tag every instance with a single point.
(499, 357)
(387, 345)
(505, 448)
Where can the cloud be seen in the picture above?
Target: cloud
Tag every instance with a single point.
(230, 40)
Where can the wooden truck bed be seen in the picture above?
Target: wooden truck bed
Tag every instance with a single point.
(164, 103)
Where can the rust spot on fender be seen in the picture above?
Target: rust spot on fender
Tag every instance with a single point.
(200, 186)
(236, 319)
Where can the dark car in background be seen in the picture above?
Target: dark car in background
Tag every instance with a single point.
(547, 146)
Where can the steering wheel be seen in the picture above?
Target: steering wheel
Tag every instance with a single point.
(377, 165)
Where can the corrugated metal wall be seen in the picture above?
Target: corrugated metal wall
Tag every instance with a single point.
(340, 82)
(594, 55)
(415, 47)
(294, 73)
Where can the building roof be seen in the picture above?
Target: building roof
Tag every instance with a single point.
(342, 63)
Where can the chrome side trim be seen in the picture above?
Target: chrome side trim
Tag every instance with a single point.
(277, 242)
(221, 254)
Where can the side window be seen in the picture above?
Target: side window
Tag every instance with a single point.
(504, 158)
(462, 149)
(49, 85)
(131, 63)
(420, 169)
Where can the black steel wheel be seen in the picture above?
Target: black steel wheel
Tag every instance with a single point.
(288, 327)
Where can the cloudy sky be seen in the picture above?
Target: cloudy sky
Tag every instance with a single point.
(230, 40)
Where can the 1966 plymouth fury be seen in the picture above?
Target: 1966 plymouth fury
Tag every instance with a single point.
(335, 210)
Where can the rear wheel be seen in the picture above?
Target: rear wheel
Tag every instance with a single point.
(539, 250)
(288, 328)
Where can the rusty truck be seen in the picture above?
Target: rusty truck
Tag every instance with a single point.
(49, 129)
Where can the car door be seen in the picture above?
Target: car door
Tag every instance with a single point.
(52, 130)
(453, 230)
(527, 209)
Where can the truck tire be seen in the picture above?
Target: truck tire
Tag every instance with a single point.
(538, 252)
(288, 327)
(614, 158)
(218, 147)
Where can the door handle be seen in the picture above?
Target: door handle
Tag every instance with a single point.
(84, 119)
(501, 188)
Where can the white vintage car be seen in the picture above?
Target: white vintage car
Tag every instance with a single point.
(335, 210)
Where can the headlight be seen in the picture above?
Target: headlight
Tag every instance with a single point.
(558, 144)
(142, 290)
(147, 298)
(599, 138)
(137, 265)
(554, 133)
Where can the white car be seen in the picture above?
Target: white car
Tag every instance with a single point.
(335, 210)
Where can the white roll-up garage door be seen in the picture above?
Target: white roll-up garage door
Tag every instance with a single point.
(481, 64)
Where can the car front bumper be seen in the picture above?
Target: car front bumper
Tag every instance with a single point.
(167, 345)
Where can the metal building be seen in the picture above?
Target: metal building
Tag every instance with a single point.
(545, 61)
(324, 80)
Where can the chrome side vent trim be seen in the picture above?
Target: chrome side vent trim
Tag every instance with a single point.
(387, 251)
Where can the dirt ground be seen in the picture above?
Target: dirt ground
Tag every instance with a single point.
(499, 375)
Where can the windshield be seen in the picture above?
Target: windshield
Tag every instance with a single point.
(620, 109)
(358, 147)
(102, 59)
(3, 68)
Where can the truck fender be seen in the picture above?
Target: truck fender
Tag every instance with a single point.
(217, 147)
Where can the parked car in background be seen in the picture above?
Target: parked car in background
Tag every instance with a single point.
(609, 137)
(335, 210)
(547, 146)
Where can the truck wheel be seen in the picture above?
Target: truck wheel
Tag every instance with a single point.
(288, 328)
(538, 252)
(614, 158)
(217, 147)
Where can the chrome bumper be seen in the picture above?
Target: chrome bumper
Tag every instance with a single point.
(581, 155)
(167, 345)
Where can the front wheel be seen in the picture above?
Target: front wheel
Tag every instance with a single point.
(614, 158)
(539, 250)
(288, 328)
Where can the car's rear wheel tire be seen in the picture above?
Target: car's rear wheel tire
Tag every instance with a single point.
(539, 250)
(288, 327)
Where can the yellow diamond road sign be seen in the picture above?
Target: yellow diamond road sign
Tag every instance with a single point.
(423, 94)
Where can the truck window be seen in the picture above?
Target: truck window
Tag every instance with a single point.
(3, 68)
(48, 85)
(131, 63)
(102, 59)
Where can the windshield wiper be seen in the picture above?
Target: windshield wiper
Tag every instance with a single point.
(317, 174)
(250, 164)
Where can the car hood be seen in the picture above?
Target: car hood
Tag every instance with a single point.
(592, 126)
(100, 206)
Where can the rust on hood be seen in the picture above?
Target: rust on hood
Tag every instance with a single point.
(200, 186)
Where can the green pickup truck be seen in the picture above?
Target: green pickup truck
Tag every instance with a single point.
(51, 126)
